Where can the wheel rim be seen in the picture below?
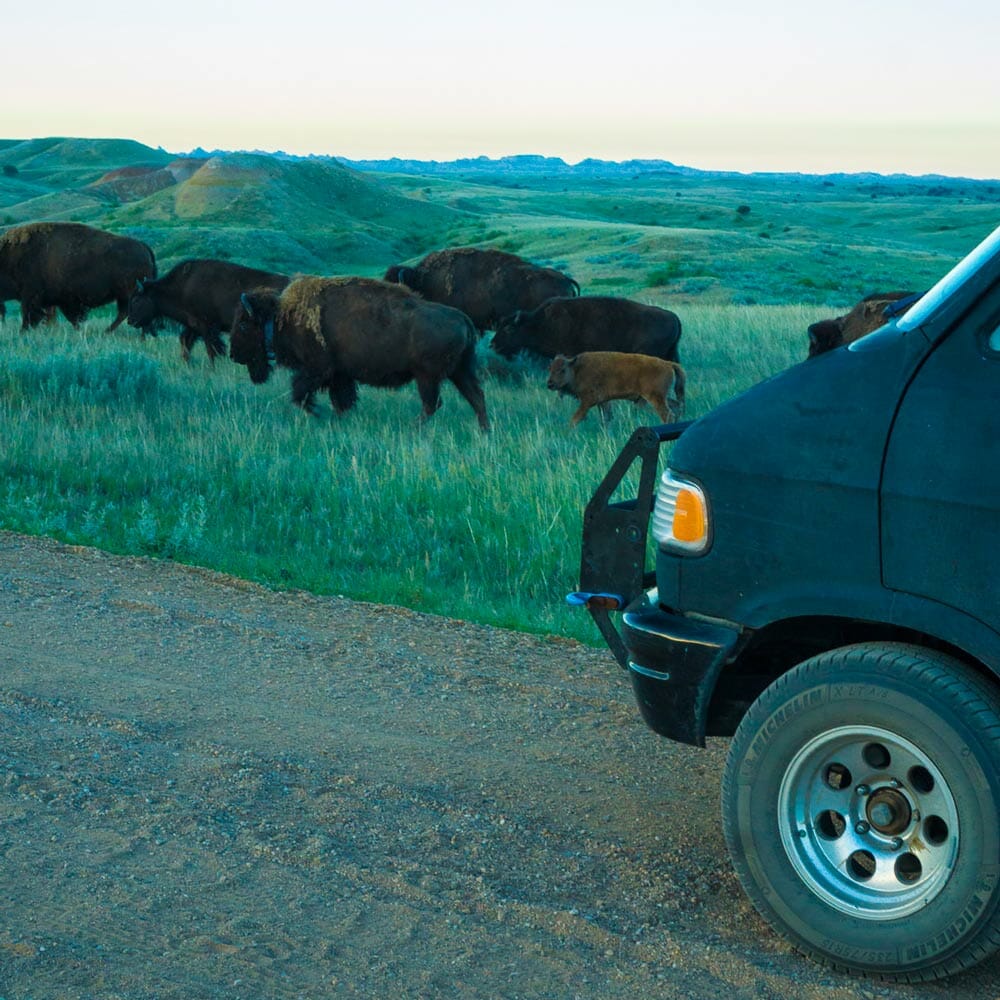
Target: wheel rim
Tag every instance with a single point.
(868, 822)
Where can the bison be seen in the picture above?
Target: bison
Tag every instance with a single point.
(590, 323)
(868, 315)
(73, 267)
(335, 332)
(201, 295)
(598, 377)
(485, 284)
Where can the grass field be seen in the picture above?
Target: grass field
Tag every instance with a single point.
(111, 441)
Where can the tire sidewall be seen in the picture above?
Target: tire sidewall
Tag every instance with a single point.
(856, 690)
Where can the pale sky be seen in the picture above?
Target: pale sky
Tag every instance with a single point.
(889, 86)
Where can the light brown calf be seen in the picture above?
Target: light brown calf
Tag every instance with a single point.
(597, 377)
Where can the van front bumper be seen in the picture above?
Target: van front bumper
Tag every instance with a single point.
(674, 663)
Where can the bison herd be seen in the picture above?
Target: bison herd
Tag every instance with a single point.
(420, 323)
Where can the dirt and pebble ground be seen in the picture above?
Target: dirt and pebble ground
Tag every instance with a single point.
(209, 790)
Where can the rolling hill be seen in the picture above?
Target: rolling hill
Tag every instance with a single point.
(650, 230)
(298, 216)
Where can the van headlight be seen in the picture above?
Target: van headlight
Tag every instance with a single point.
(680, 515)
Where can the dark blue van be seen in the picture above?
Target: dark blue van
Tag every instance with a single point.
(827, 592)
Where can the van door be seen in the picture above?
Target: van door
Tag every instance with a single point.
(941, 479)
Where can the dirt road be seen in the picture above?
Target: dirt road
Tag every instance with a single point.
(211, 790)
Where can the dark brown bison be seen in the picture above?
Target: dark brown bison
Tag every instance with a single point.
(201, 295)
(72, 267)
(335, 332)
(869, 314)
(598, 377)
(590, 323)
(485, 284)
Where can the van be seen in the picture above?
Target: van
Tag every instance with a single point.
(826, 592)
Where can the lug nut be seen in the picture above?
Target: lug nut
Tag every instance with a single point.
(862, 827)
(862, 790)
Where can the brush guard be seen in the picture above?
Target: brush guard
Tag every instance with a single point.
(613, 570)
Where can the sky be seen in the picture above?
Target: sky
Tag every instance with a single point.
(890, 86)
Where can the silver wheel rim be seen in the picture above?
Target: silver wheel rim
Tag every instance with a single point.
(868, 822)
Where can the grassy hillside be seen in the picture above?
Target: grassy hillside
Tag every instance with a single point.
(311, 216)
(669, 236)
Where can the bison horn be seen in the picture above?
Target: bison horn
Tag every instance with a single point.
(246, 304)
(138, 285)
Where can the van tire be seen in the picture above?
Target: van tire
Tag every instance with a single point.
(861, 807)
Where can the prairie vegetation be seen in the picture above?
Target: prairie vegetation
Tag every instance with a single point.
(110, 441)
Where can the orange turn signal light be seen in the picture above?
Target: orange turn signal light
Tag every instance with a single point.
(690, 522)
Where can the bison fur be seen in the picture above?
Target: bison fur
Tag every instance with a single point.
(485, 284)
(336, 332)
(598, 377)
(201, 295)
(864, 318)
(590, 323)
(72, 267)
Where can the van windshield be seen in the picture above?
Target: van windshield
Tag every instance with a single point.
(929, 303)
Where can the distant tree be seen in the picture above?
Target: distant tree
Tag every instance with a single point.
(9, 170)
(743, 210)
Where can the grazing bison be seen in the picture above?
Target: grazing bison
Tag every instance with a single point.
(485, 284)
(72, 267)
(201, 295)
(335, 332)
(598, 377)
(869, 314)
(590, 323)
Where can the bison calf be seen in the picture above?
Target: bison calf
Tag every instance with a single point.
(597, 377)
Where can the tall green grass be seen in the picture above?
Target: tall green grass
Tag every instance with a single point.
(111, 441)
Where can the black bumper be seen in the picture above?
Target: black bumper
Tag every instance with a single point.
(674, 663)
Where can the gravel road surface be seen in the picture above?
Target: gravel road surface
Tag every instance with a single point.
(212, 790)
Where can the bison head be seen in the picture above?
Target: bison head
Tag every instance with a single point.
(561, 374)
(508, 339)
(400, 275)
(141, 307)
(825, 335)
(251, 340)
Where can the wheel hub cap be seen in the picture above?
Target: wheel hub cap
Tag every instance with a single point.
(868, 822)
(889, 812)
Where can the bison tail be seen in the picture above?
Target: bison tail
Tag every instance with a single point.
(576, 286)
(679, 384)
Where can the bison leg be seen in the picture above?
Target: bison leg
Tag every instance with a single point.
(343, 393)
(468, 385)
(659, 404)
(188, 338)
(215, 346)
(605, 409)
(304, 391)
(581, 412)
(32, 313)
(120, 315)
(74, 312)
(430, 394)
